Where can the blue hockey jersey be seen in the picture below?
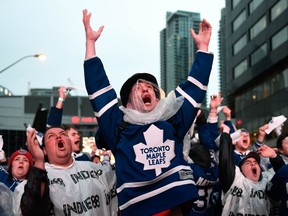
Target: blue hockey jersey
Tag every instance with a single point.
(152, 175)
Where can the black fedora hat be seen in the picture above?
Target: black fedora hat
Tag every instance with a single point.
(127, 86)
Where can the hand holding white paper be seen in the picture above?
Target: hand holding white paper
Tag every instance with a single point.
(275, 122)
(69, 88)
(234, 136)
(39, 135)
(219, 109)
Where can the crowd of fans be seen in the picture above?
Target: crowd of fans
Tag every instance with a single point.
(153, 155)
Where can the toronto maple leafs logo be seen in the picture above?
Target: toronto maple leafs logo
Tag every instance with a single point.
(156, 154)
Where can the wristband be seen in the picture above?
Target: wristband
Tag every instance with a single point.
(61, 99)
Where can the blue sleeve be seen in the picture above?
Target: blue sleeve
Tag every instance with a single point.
(193, 90)
(104, 100)
(55, 117)
(3, 175)
(213, 127)
(230, 125)
(205, 136)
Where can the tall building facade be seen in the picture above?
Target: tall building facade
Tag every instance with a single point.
(177, 48)
(253, 42)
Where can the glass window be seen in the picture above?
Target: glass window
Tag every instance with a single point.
(239, 20)
(284, 76)
(278, 8)
(279, 38)
(260, 53)
(235, 3)
(253, 5)
(258, 27)
(240, 68)
(239, 44)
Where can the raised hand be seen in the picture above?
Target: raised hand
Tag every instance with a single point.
(34, 148)
(224, 128)
(262, 133)
(91, 35)
(215, 101)
(266, 151)
(227, 112)
(202, 39)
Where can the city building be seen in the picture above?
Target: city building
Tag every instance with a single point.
(18, 112)
(177, 48)
(253, 42)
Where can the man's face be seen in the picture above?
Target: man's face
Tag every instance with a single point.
(58, 147)
(251, 169)
(75, 139)
(142, 97)
(243, 143)
(20, 167)
(284, 149)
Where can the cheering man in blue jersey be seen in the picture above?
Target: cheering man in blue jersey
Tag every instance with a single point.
(146, 133)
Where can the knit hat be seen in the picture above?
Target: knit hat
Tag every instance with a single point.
(20, 152)
(127, 86)
(251, 154)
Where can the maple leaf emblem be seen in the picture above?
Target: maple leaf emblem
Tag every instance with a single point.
(156, 154)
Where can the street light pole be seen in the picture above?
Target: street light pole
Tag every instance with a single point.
(40, 56)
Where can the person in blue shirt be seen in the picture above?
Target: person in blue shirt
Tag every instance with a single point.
(55, 119)
(146, 134)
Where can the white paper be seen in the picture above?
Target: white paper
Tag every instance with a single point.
(275, 122)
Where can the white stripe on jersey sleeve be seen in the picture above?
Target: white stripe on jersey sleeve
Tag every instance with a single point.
(197, 83)
(100, 92)
(188, 97)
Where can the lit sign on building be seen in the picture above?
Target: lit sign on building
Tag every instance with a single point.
(78, 120)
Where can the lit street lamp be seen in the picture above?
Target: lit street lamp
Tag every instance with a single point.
(40, 56)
